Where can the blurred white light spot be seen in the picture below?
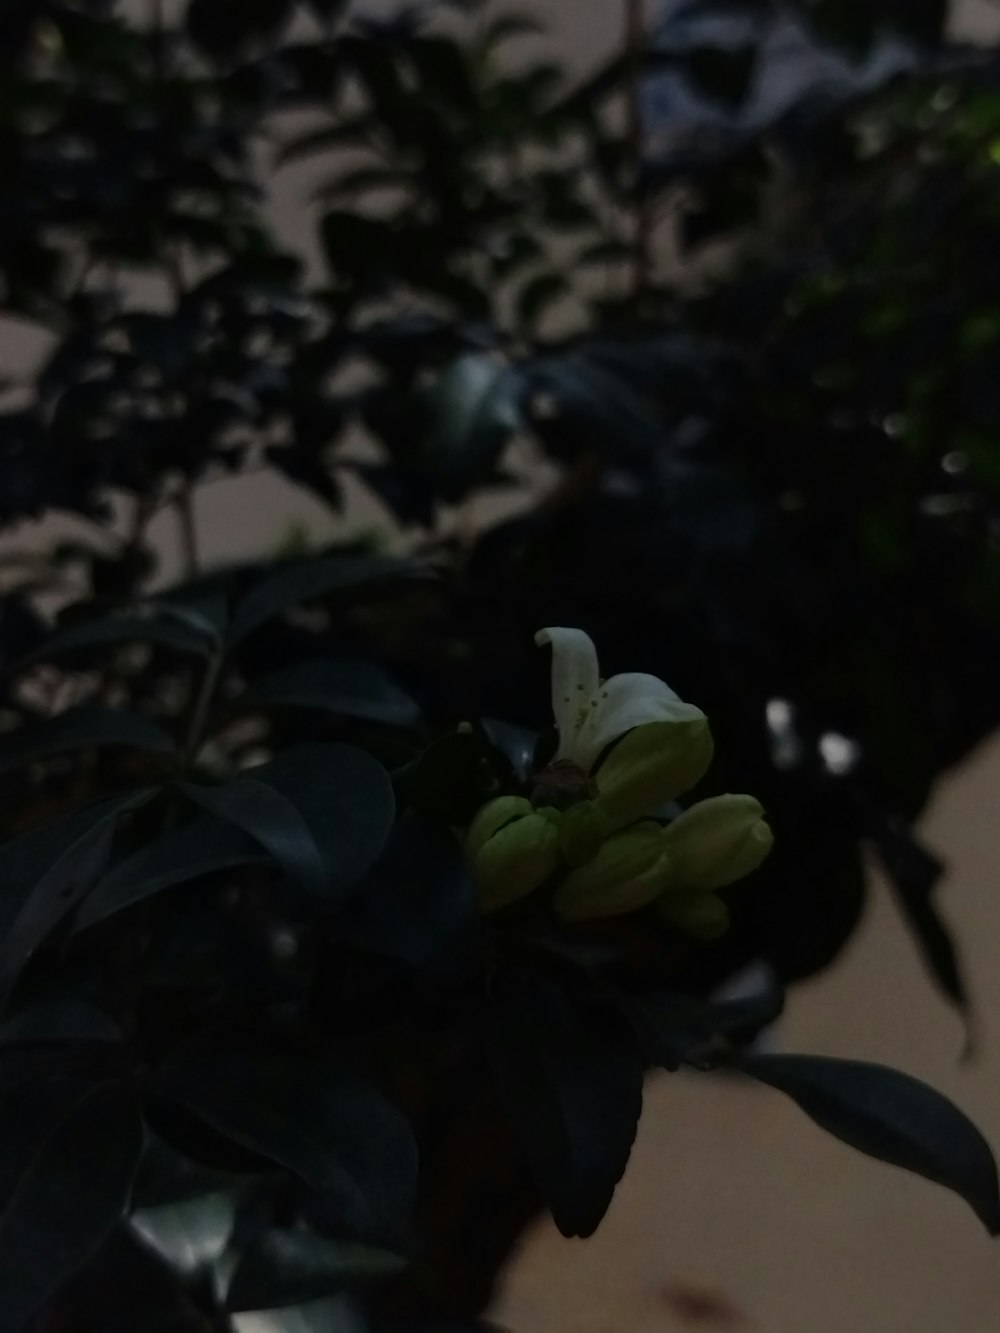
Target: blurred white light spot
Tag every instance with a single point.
(840, 754)
(786, 748)
(956, 461)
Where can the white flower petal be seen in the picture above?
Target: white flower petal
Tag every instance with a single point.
(628, 701)
(575, 682)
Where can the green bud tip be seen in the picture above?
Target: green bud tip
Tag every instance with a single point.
(515, 861)
(630, 871)
(651, 765)
(718, 841)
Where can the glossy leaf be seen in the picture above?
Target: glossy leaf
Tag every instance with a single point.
(280, 1268)
(114, 631)
(893, 1117)
(342, 686)
(70, 1189)
(302, 581)
(201, 847)
(335, 1132)
(190, 1234)
(83, 729)
(571, 1081)
(62, 886)
(271, 820)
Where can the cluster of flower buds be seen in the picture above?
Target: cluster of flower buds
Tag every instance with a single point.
(591, 827)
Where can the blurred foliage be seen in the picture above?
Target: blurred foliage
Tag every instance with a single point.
(738, 287)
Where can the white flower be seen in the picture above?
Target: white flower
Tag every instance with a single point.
(660, 745)
(591, 713)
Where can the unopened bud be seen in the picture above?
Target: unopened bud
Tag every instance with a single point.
(516, 860)
(651, 765)
(718, 841)
(491, 817)
(629, 871)
(581, 833)
(700, 914)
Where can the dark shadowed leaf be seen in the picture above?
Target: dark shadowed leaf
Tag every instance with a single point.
(674, 1029)
(335, 1314)
(345, 687)
(325, 1125)
(473, 410)
(893, 1117)
(914, 874)
(224, 28)
(418, 900)
(69, 1189)
(117, 630)
(199, 848)
(571, 1080)
(55, 1021)
(270, 819)
(166, 1176)
(452, 778)
(62, 886)
(280, 1268)
(303, 580)
(83, 729)
(346, 798)
(189, 1234)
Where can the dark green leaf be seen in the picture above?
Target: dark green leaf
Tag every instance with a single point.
(571, 1080)
(202, 847)
(348, 688)
(302, 581)
(675, 1029)
(62, 887)
(537, 295)
(117, 630)
(270, 819)
(280, 1268)
(225, 28)
(337, 1133)
(188, 1234)
(166, 1176)
(473, 410)
(453, 777)
(914, 874)
(70, 1189)
(80, 729)
(346, 799)
(893, 1117)
(55, 1021)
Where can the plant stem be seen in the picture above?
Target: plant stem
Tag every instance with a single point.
(184, 505)
(635, 46)
(199, 714)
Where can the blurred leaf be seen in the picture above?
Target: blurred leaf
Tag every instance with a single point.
(303, 581)
(67, 879)
(116, 630)
(571, 1081)
(202, 847)
(537, 295)
(345, 687)
(672, 1030)
(325, 1125)
(82, 729)
(166, 1176)
(893, 1117)
(914, 874)
(452, 778)
(190, 1234)
(55, 1021)
(270, 819)
(280, 1268)
(225, 28)
(69, 1188)
(337, 1314)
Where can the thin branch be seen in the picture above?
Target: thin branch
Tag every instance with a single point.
(635, 48)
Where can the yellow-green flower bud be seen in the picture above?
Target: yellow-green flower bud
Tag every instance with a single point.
(491, 818)
(718, 841)
(629, 871)
(700, 914)
(516, 860)
(584, 827)
(650, 765)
